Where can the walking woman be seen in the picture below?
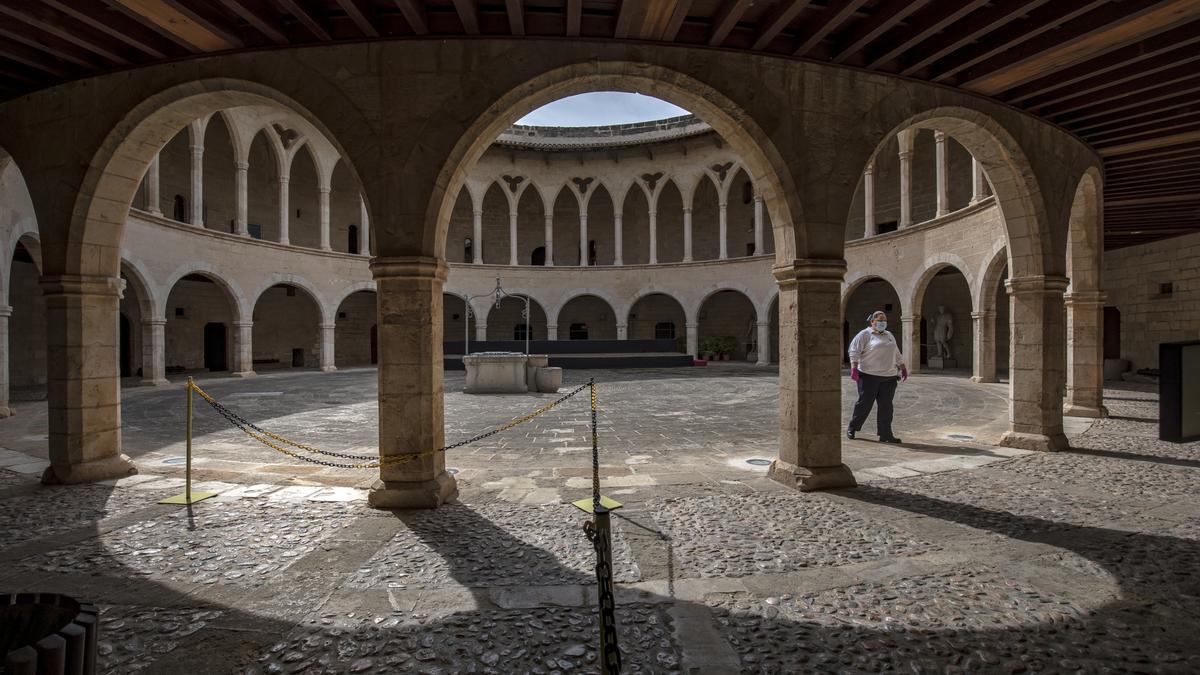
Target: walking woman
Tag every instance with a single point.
(877, 365)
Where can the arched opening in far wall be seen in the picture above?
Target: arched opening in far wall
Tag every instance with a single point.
(865, 297)
(505, 322)
(199, 331)
(354, 321)
(728, 325)
(287, 331)
(657, 316)
(27, 324)
(220, 201)
(587, 317)
(456, 324)
(945, 310)
(262, 198)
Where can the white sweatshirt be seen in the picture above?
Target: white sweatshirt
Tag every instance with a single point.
(876, 353)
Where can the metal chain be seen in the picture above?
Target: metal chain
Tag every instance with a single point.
(262, 435)
(595, 450)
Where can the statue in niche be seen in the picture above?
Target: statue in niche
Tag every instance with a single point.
(943, 332)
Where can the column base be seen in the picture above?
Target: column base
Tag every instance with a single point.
(1093, 412)
(6, 411)
(978, 379)
(89, 472)
(328, 369)
(1034, 442)
(160, 382)
(426, 494)
(243, 373)
(807, 479)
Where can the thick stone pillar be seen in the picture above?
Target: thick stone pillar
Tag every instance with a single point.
(910, 335)
(243, 349)
(941, 162)
(810, 367)
(758, 224)
(1085, 354)
(83, 387)
(284, 210)
(693, 339)
(328, 348)
(548, 224)
(687, 234)
(983, 354)
(906, 152)
(622, 331)
(869, 229)
(551, 331)
(618, 246)
(323, 197)
(1037, 363)
(722, 229)
(764, 343)
(653, 237)
(364, 230)
(241, 171)
(154, 352)
(583, 239)
(153, 191)
(5, 313)
(197, 185)
(978, 181)
(410, 384)
(512, 236)
(477, 233)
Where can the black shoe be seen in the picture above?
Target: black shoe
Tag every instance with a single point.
(889, 439)
(850, 434)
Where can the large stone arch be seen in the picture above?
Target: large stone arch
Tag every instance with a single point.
(617, 330)
(238, 301)
(325, 310)
(553, 311)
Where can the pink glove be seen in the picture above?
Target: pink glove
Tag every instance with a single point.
(854, 373)
(903, 373)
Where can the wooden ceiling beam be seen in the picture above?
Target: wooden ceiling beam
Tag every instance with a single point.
(1182, 172)
(1183, 164)
(1165, 141)
(165, 18)
(574, 17)
(306, 19)
(916, 32)
(1146, 137)
(678, 15)
(883, 19)
(118, 26)
(52, 23)
(1154, 190)
(774, 21)
(468, 14)
(1179, 77)
(726, 19)
(516, 16)
(1106, 132)
(258, 16)
(1091, 35)
(1116, 67)
(625, 16)
(48, 45)
(13, 72)
(829, 20)
(363, 17)
(414, 14)
(203, 16)
(1151, 103)
(32, 58)
(968, 31)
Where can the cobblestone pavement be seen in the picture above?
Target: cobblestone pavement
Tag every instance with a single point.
(1078, 561)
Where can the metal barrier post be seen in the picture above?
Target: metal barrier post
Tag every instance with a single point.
(188, 497)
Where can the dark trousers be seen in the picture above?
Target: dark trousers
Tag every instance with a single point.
(874, 389)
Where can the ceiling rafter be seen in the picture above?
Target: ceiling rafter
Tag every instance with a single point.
(256, 16)
(574, 17)
(775, 20)
(363, 17)
(61, 51)
(116, 25)
(726, 19)
(678, 15)
(32, 58)
(830, 19)
(212, 24)
(468, 14)
(886, 17)
(82, 37)
(1134, 85)
(915, 33)
(310, 22)
(972, 29)
(516, 16)
(414, 15)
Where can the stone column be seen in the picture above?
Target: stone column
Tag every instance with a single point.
(154, 352)
(284, 210)
(1037, 363)
(512, 236)
(153, 192)
(687, 234)
(243, 349)
(622, 331)
(583, 239)
(653, 237)
(328, 348)
(364, 229)
(983, 356)
(764, 343)
(906, 152)
(810, 367)
(618, 246)
(978, 181)
(869, 201)
(83, 387)
(551, 331)
(1085, 354)
(911, 336)
(693, 339)
(758, 224)
(480, 332)
(723, 227)
(941, 161)
(410, 384)
(323, 195)
(548, 222)
(5, 313)
(477, 233)
(197, 185)
(241, 198)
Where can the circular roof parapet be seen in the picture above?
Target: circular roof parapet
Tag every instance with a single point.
(564, 139)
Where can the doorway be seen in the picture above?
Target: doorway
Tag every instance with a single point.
(126, 347)
(214, 347)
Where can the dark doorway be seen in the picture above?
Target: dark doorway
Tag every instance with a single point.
(298, 357)
(592, 252)
(1112, 333)
(579, 331)
(846, 342)
(664, 330)
(924, 343)
(538, 257)
(180, 209)
(374, 344)
(214, 347)
(352, 242)
(126, 347)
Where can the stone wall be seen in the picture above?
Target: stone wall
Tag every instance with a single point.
(26, 329)
(286, 319)
(194, 303)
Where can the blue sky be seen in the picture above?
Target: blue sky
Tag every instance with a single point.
(602, 107)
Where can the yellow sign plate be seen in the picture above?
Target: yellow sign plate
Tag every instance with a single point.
(606, 502)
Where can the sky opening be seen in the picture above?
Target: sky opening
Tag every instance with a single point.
(601, 108)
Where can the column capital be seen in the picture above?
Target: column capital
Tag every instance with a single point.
(990, 314)
(810, 270)
(241, 166)
(410, 267)
(906, 154)
(328, 326)
(762, 324)
(1038, 283)
(75, 284)
(243, 324)
(5, 311)
(691, 326)
(197, 150)
(687, 209)
(939, 136)
(154, 321)
(1081, 298)
(323, 189)
(477, 212)
(909, 318)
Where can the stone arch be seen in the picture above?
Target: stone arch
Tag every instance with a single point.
(735, 125)
(220, 159)
(355, 318)
(564, 206)
(136, 310)
(757, 303)
(277, 339)
(139, 282)
(866, 293)
(600, 222)
(304, 203)
(924, 314)
(639, 328)
(238, 302)
(280, 279)
(1085, 300)
(669, 207)
(345, 211)
(190, 306)
(735, 322)
(857, 281)
(501, 320)
(454, 327)
(26, 353)
(934, 264)
(1085, 235)
(600, 318)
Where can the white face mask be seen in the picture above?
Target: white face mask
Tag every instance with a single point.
(881, 325)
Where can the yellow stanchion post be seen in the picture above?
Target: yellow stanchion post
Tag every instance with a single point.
(188, 497)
